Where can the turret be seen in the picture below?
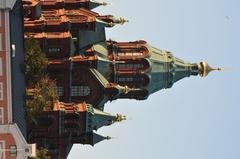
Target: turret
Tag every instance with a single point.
(72, 4)
(97, 119)
(90, 139)
(94, 4)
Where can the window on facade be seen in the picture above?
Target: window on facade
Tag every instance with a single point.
(1, 115)
(2, 146)
(130, 66)
(59, 91)
(80, 91)
(125, 79)
(0, 41)
(1, 67)
(1, 91)
(13, 150)
(130, 54)
(54, 50)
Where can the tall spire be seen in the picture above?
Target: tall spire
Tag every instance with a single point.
(94, 4)
(111, 21)
(98, 119)
(119, 20)
(96, 138)
(90, 138)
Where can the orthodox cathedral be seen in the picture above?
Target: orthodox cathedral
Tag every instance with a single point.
(90, 71)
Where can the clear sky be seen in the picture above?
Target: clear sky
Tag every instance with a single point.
(198, 118)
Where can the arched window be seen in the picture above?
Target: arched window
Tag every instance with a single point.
(142, 65)
(133, 80)
(125, 79)
(130, 66)
(137, 52)
(80, 91)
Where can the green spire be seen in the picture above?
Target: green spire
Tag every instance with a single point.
(90, 138)
(97, 119)
(113, 21)
(119, 20)
(96, 138)
(94, 4)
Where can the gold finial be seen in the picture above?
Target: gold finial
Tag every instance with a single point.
(120, 118)
(105, 3)
(118, 20)
(108, 138)
(126, 89)
(205, 69)
(123, 21)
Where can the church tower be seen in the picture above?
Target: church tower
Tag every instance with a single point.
(111, 70)
(87, 67)
(57, 129)
(90, 70)
(139, 65)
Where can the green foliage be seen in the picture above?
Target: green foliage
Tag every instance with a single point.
(42, 154)
(42, 88)
(35, 61)
(44, 94)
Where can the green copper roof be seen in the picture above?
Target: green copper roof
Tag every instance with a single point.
(167, 69)
(164, 71)
(96, 138)
(94, 4)
(97, 119)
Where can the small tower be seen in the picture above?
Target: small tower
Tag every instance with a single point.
(90, 139)
(70, 123)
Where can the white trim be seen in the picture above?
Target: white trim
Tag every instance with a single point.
(1, 64)
(1, 91)
(1, 116)
(0, 39)
(2, 154)
(8, 66)
(0, 18)
(7, 4)
(20, 141)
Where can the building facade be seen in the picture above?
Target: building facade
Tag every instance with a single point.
(89, 69)
(13, 144)
(68, 124)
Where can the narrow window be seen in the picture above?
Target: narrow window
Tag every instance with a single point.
(59, 91)
(13, 150)
(0, 18)
(2, 147)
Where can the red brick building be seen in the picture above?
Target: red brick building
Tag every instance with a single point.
(90, 69)
(13, 144)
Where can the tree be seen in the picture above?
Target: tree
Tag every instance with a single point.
(35, 61)
(41, 96)
(42, 153)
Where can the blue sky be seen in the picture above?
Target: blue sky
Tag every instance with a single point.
(198, 118)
